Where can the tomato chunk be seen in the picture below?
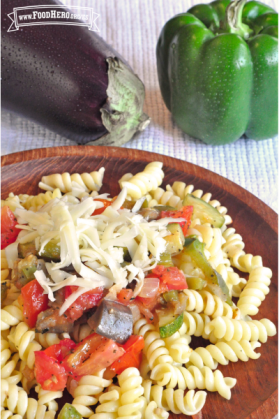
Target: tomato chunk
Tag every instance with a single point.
(132, 356)
(124, 296)
(91, 355)
(171, 276)
(84, 302)
(60, 350)
(49, 373)
(185, 212)
(34, 302)
(9, 232)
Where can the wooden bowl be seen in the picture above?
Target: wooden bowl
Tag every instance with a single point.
(255, 395)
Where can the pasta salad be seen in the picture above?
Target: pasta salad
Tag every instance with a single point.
(102, 296)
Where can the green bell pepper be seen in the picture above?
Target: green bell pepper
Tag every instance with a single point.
(218, 70)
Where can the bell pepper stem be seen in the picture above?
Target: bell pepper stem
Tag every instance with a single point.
(233, 20)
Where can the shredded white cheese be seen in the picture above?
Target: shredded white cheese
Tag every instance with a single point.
(92, 244)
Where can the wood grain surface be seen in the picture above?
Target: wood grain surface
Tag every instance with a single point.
(255, 395)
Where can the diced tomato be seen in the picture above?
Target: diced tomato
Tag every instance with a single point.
(60, 350)
(132, 356)
(49, 373)
(124, 296)
(171, 276)
(9, 232)
(92, 355)
(84, 302)
(34, 302)
(184, 212)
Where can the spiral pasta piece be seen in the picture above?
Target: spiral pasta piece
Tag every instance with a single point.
(34, 203)
(13, 202)
(16, 400)
(204, 301)
(87, 392)
(195, 324)
(109, 404)
(11, 315)
(174, 400)
(223, 352)
(9, 363)
(5, 271)
(143, 182)
(193, 377)
(22, 340)
(48, 339)
(155, 348)
(255, 290)
(48, 398)
(131, 402)
(162, 197)
(88, 181)
(178, 347)
(251, 330)
(12, 295)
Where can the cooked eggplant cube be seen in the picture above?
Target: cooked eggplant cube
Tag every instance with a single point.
(112, 320)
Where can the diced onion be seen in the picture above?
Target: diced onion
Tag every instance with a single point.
(149, 288)
(135, 312)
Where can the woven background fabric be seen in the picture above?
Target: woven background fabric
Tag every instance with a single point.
(132, 27)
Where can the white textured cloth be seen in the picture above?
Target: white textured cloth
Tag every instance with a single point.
(132, 27)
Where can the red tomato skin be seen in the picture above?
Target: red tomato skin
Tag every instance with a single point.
(49, 373)
(9, 232)
(171, 276)
(124, 296)
(185, 212)
(84, 302)
(34, 302)
(60, 350)
(132, 357)
(91, 355)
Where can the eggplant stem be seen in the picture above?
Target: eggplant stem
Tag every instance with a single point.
(122, 115)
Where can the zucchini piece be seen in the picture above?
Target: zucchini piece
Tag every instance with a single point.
(195, 249)
(161, 208)
(204, 211)
(175, 241)
(169, 325)
(171, 296)
(165, 260)
(196, 283)
(68, 411)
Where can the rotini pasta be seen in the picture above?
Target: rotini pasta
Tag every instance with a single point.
(34, 203)
(5, 271)
(223, 352)
(254, 291)
(204, 301)
(231, 329)
(87, 391)
(192, 378)
(174, 400)
(155, 347)
(88, 181)
(131, 403)
(143, 182)
(109, 404)
(11, 315)
(22, 339)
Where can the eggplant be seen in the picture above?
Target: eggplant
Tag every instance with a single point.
(69, 80)
(112, 320)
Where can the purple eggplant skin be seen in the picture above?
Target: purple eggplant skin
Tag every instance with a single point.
(57, 75)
